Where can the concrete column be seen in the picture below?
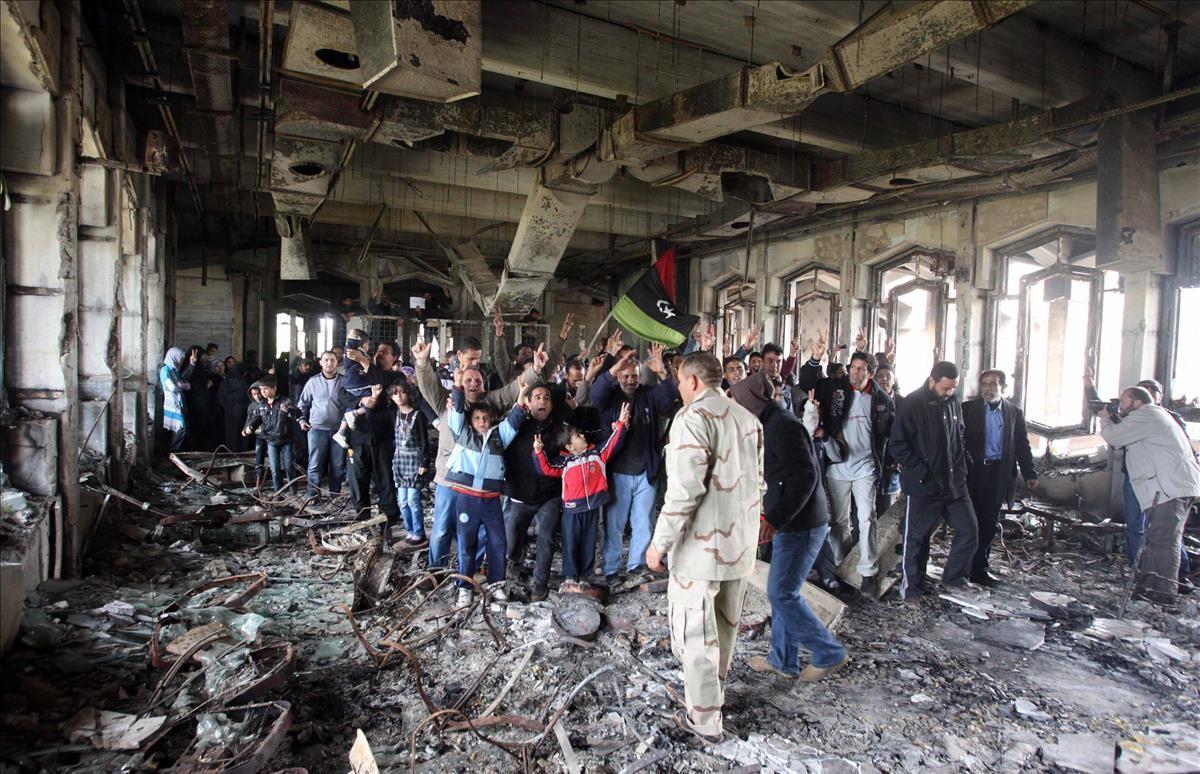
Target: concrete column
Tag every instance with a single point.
(1129, 232)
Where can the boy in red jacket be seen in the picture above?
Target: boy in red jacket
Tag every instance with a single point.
(583, 470)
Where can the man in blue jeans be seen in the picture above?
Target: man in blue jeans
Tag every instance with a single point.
(796, 521)
(636, 467)
(320, 415)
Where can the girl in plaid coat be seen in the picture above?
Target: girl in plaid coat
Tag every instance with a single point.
(411, 460)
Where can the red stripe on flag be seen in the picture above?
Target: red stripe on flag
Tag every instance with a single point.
(665, 266)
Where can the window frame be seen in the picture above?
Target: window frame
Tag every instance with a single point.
(1095, 280)
(794, 302)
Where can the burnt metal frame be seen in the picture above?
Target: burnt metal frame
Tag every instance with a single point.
(793, 303)
(938, 297)
(1095, 280)
(1187, 275)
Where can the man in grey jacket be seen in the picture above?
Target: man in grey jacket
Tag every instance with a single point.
(320, 415)
(1165, 478)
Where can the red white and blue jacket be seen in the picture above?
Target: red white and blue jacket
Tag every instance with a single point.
(584, 475)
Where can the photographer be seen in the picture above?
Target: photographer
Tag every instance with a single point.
(1164, 477)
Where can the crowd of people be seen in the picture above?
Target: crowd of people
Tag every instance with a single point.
(675, 460)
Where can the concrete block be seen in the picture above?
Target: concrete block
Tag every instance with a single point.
(98, 267)
(27, 132)
(32, 342)
(93, 196)
(31, 455)
(90, 412)
(31, 243)
(824, 605)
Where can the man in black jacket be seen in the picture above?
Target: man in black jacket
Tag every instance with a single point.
(533, 497)
(373, 439)
(997, 443)
(796, 521)
(927, 442)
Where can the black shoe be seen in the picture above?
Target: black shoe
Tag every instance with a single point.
(962, 584)
(612, 579)
(538, 594)
(985, 579)
(832, 585)
(869, 586)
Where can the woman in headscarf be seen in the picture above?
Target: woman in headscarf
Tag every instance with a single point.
(173, 387)
(201, 402)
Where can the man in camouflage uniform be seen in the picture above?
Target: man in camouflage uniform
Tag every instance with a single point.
(708, 532)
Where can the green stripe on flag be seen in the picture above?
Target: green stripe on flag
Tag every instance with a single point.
(642, 325)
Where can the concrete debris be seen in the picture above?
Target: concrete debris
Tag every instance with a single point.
(1027, 709)
(105, 730)
(1172, 748)
(362, 760)
(436, 687)
(1015, 633)
(1088, 753)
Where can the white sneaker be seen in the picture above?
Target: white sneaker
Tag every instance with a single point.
(340, 440)
(350, 417)
(497, 593)
(463, 599)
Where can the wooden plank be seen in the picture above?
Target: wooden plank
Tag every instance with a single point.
(826, 606)
(890, 531)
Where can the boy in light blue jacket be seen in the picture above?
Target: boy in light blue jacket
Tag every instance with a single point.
(475, 473)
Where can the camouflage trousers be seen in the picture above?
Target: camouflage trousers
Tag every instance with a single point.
(704, 623)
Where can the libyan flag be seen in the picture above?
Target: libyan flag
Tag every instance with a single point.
(648, 310)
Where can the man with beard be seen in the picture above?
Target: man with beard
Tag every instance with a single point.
(997, 443)
(475, 391)
(927, 442)
(772, 366)
(635, 468)
(533, 497)
(372, 439)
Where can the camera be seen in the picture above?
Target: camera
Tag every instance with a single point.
(1111, 406)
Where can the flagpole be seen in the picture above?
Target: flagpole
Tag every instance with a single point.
(596, 335)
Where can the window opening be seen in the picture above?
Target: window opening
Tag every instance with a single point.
(736, 304)
(916, 311)
(815, 306)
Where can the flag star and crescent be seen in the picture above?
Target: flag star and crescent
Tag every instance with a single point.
(648, 309)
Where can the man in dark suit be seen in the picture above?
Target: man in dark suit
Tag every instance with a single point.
(997, 444)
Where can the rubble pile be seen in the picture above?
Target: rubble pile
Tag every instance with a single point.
(224, 630)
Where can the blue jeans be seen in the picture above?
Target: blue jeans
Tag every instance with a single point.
(409, 500)
(323, 451)
(444, 528)
(471, 513)
(632, 503)
(1135, 529)
(793, 624)
(280, 458)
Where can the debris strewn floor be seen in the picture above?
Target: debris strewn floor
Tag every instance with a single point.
(1036, 674)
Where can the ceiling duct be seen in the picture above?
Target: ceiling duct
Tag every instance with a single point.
(424, 49)
(295, 249)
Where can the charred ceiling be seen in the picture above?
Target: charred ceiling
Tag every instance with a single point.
(509, 143)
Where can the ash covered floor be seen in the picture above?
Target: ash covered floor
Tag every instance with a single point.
(1013, 678)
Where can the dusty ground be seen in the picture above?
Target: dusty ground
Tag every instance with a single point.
(923, 690)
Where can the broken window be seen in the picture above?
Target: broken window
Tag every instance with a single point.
(735, 314)
(1182, 301)
(812, 298)
(1055, 316)
(914, 303)
(324, 334)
